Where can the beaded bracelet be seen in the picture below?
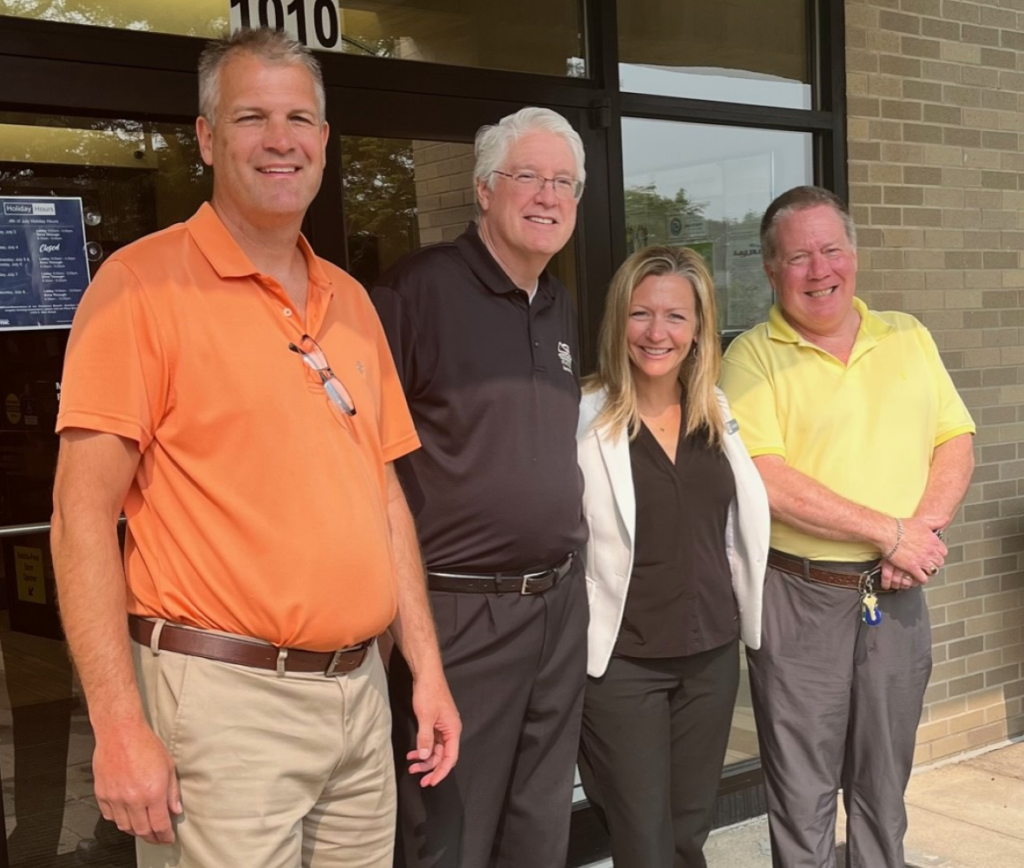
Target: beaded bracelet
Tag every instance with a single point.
(895, 545)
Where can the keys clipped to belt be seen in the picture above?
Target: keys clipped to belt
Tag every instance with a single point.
(869, 612)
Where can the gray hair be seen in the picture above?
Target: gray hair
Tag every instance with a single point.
(263, 43)
(800, 199)
(494, 140)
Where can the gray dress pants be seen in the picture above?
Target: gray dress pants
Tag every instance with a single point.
(516, 666)
(837, 703)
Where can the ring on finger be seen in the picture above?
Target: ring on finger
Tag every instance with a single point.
(932, 569)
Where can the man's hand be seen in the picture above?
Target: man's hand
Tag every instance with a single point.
(919, 555)
(136, 785)
(437, 739)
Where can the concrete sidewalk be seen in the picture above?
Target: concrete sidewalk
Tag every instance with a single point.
(967, 813)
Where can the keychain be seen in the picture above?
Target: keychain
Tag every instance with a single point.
(870, 613)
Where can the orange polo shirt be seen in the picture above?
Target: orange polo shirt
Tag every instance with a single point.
(258, 508)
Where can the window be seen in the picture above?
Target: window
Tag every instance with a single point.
(706, 187)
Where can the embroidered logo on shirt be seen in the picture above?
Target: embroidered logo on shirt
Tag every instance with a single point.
(565, 354)
(359, 367)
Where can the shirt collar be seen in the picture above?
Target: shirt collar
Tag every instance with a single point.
(221, 250)
(486, 267)
(872, 327)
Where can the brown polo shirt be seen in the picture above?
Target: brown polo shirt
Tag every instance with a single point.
(491, 381)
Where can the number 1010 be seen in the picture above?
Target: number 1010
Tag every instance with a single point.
(312, 22)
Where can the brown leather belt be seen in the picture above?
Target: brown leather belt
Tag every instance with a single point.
(247, 652)
(500, 583)
(854, 578)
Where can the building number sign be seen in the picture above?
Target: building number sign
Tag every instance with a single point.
(315, 23)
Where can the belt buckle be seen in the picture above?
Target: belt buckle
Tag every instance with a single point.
(332, 671)
(524, 589)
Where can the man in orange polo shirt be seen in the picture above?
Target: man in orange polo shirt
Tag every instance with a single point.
(269, 541)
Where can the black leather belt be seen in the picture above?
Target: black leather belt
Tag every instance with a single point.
(533, 582)
(247, 652)
(852, 576)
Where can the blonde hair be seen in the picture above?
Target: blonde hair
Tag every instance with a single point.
(700, 370)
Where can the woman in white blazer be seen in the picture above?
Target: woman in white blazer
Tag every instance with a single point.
(675, 563)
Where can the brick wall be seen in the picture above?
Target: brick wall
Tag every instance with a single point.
(445, 198)
(936, 127)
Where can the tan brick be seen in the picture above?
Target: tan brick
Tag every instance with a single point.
(976, 158)
(864, 107)
(939, 155)
(938, 729)
(884, 173)
(959, 218)
(959, 52)
(904, 67)
(982, 118)
(954, 10)
(936, 70)
(899, 22)
(927, 91)
(997, 100)
(999, 58)
(966, 138)
(987, 734)
(980, 35)
(984, 661)
(884, 85)
(967, 97)
(993, 17)
(882, 42)
(949, 746)
(948, 30)
(981, 76)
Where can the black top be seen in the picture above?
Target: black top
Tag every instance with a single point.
(491, 381)
(680, 598)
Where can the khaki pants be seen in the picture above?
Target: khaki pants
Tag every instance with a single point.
(275, 772)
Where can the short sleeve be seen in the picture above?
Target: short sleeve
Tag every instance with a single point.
(116, 378)
(953, 417)
(400, 332)
(397, 431)
(748, 386)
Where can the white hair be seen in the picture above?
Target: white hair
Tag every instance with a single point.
(494, 140)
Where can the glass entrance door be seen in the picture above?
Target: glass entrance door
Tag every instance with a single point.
(120, 178)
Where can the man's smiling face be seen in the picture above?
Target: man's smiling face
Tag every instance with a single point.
(267, 142)
(814, 272)
(527, 226)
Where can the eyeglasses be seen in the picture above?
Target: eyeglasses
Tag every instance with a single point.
(313, 356)
(565, 188)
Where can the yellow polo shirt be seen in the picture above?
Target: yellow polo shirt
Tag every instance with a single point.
(866, 430)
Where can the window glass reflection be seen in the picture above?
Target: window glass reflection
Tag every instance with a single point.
(206, 18)
(539, 36)
(403, 194)
(133, 178)
(717, 50)
(706, 187)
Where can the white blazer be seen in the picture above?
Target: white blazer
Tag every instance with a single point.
(609, 503)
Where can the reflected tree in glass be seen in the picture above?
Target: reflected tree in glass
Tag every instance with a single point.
(380, 202)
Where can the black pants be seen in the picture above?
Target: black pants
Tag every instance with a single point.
(516, 666)
(654, 738)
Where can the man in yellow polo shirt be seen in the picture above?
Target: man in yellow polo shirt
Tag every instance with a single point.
(234, 394)
(865, 449)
